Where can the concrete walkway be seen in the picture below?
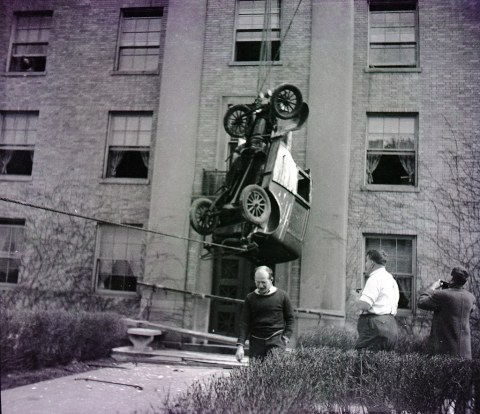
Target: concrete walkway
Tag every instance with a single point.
(128, 388)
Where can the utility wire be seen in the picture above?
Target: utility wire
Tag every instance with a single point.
(270, 65)
(67, 213)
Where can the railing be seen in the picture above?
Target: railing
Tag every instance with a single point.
(212, 181)
(154, 286)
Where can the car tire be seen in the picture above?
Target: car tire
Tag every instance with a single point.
(238, 120)
(202, 218)
(255, 203)
(286, 101)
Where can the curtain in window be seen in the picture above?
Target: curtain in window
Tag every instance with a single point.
(408, 164)
(5, 240)
(5, 157)
(115, 159)
(404, 287)
(372, 163)
(145, 158)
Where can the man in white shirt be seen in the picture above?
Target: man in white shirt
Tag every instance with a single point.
(378, 303)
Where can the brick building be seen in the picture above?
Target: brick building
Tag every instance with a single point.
(113, 110)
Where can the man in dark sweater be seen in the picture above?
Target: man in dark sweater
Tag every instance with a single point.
(267, 318)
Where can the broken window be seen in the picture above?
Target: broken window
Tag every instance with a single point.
(391, 149)
(18, 132)
(12, 234)
(129, 140)
(29, 42)
(139, 40)
(249, 28)
(400, 252)
(393, 34)
(119, 261)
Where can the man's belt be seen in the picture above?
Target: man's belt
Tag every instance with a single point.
(270, 337)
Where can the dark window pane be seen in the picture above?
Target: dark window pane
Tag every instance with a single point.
(127, 164)
(250, 51)
(28, 64)
(20, 162)
(391, 171)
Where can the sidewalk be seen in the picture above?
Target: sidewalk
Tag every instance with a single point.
(125, 389)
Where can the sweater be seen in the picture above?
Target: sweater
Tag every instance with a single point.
(264, 315)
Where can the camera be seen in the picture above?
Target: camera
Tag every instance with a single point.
(444, 285)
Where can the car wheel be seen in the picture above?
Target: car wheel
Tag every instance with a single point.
(238, 120)
(286, 101)
(202, 217)
(255, 204)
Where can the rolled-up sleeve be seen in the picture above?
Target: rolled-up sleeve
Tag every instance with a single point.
(370, 291)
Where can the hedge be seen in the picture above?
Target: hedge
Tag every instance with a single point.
(324, 380)
(36, 339)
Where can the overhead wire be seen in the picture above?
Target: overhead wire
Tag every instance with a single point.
(113, 223)
(269, 65)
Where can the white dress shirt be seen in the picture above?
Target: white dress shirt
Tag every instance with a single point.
(381, 293)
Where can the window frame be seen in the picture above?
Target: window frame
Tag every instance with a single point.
(13, 42)
(414, 274)
(147, 12)
(398, 7)
(17, 254)
(394, 151)
(100, 233)
(137, 148)
(237, 30)
(23, 147)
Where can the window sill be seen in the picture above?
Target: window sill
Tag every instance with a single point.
(7, 286)
(136, 181)
(134, 72)
(253, 63)
(23, 74)
(12, 177)
(116, 293)
(392, 70)
(390, 188)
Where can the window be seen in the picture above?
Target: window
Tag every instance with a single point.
(391, 149)
(250, 22)
(12, 233)
(29, 43)
(119, 261)
(128, 150)
(139, 40)
(400, 263)
(393, 34)
(18, 132)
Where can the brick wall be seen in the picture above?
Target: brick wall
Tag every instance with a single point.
(446, 97)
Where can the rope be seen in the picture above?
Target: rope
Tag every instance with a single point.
(67, 213)
(260, 85)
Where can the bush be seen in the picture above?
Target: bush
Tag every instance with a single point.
(32, 340)
(323, 380)
(343, 338)
(328, 335)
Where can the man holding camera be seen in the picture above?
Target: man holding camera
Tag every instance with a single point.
(452, 305)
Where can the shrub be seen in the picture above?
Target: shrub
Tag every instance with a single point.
(344, 338)
(323, 380)
(31, 340)
(328, 335)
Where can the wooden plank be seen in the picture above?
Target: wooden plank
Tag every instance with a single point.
(196, 334)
